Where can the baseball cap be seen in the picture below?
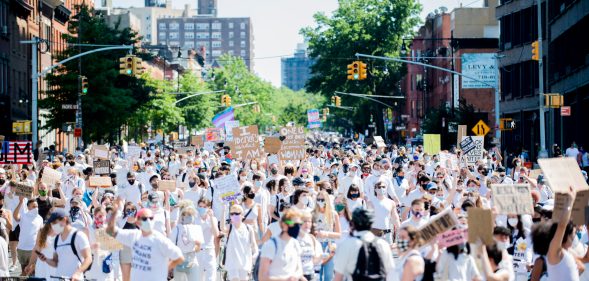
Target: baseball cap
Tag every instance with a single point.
(431, 186)
(298, 181)
(56, 215)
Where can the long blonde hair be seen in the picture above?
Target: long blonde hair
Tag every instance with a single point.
(327, 210)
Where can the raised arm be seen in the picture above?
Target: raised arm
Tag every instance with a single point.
(555, 251)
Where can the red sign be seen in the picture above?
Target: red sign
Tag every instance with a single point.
(78, 132)
(16, 152)
(565, 111)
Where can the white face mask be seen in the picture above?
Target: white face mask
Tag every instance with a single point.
(33, 212)
(321, 204)
(512, 222)
(383, 191)
(254, 166)
(502, 245)
(57, 228)
(147, 225)
(305, 201)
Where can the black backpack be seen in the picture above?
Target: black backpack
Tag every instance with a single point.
(369, 266)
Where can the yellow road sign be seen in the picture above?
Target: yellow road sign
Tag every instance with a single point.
(481, 129)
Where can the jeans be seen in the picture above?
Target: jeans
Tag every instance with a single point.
(326, 273)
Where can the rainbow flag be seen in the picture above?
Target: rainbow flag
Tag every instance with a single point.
(223, 116)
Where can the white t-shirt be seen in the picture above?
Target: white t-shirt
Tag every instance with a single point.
(310, 249)
(68, 262)
(572, 152)
(4, 263)
(347, 253)
(286, 260)
(130, 193)
(185, 236)
(463, 268)
(30, 223)
(274, 229)
(151, 254)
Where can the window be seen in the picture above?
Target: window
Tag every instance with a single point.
(216, 25)
(242, 25)
(216, 35)
(203, 44)
(230, 52)
(216, 44)
(231, 34)
(189, 44)
(202, 26)
(230, 25)
(231, 43)
(242, 44)
(189, 35)
(189, 26)
(162, 35)
(202, 35)
(174, 26)
(174, 43)
(216, 53)
(173, 35)
(242, 35)
(162, 25)
(242, 53)
(148, 36)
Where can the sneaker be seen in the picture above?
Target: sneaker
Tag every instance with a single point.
(13, 267)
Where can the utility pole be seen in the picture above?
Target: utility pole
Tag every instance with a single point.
(543, 153)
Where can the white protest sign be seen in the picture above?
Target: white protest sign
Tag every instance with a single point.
(227, 188)
(50, 176)
(474, 149)
(209, 146)
(100, 151)
(512, 199)
(169, 185)
(563, 173)
(97, 181)
(229, 125)
(107, 242)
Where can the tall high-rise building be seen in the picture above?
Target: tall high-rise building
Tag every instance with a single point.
(296, 70)
(207, 7)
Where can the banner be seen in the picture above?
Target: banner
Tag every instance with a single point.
(100, 152)
(481, 66)
(431, 143)
(313, 118)
(229, 125)
(16, 152)
(474, 147)
(50, 176)
(480, 226)
(513, 199)
(169, 185)
(293, 143)
(197, 140)
(246, 145)
(379, 142)
(452, 237)
(98, 181)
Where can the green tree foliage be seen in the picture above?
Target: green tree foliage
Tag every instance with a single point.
(112, 99)
(373, 27)
(199, 110)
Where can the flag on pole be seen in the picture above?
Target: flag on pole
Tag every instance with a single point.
(223, 116)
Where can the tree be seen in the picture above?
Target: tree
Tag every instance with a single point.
(199, 110)
(374, 27)
(111, 98)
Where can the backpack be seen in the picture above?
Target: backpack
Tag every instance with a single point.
(256, 269)
(369, 266)
(72, 245)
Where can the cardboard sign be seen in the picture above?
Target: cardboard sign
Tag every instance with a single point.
(431, 143)
(50, 176)
(227, 188)
(229, 125)
(452, 237)
(474, 150)
(512, 199)
(100, 152)
(535, 173)
(169, 185)
(461, 133)
(197, 140)
(293, 143)
(213, 135)
(439, 223)
(21, 189)
(579, 205)
(563, 173)
(107, 242)
(184, 150)
(480, 226)
(379, 142)
(561, 202)
(100, 181)
(272, 145)
(245, 144)
(102, 167)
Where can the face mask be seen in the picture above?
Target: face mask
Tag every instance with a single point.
(2, 181)
(147, 225)
(98, 223)
(251, 195)
(72, 163)
(42, 192)
(512, 222)
(329, 191)
(57, 228)
(339, 207)
(403, 245)
(305, 201)
(400, 177)
(355, 195)
(192, 184)
(254, 166)
(535, 220)
(293, 231)
(131, 182)
(518, 164)
(376, 173)
(187, 219)
(258, 184)
(79, 196)
(34, 212)
(289, 189)
(321, 204)
(202, 211)
(74, 213)
(235, 219)
(130, 213)
(346, 168)
(334, 171)
(304, 171)
(502, 245)
(417, 214)
(382, 191)
(274, 171)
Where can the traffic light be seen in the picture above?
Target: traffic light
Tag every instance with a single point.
(327, 111)
(363, 74)
(351, 71)
(338, 101)
(225, 100)
(333, 100)
(354, 71)
(256, 108)
(138, 68)
(126, 65)
(553, 100)
(535, 51)
(84, 83)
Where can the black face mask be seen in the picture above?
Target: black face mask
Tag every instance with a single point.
(2, 181)
(131, 182)
(329, 191)
(535, 220)
(251, 195)
(192, 183)
(72, 163)
(74, 213)
(293, 231)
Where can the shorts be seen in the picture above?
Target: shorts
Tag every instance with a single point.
(126, 255)
(237, 274)
(13, 236)
(24, 256)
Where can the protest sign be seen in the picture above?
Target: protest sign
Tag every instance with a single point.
(431, 143)
(273, 159)
(379, 142)
(511, 199)
(169, 185)
(563, 173)
(535, 173)
(452, 237)
(229, 125)
(21, 189)
(101, 167)
(444, 160)
(293, 143)
(107, 242)
(472, 149)
(209, 146)
(197, 140)
(133, 152)
(213, 135)
(16, 152)
(97, 181)
(562, 201)
(50, 176)
(272, 145)
(246, 145)
(184, 149)
(227, 188)
(439, 223)
(578, 212)
(100, 151)
(480, 225)
(461, 133)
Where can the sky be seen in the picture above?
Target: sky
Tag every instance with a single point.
(276, 24)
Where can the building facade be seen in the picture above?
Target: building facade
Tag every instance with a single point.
(296, 70)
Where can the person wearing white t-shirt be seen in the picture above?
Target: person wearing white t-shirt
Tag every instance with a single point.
(30, 223)
(188, 236)
(281, 256)
(572, 151)
(68, 264)
(241, 246)
(4, 263)
(207, 259)
(131, 190)
(153, 253)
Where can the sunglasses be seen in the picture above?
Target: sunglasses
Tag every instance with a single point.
(379, 186)
(147, 218)
(320, 200)
(130, 210)
(235, 214)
